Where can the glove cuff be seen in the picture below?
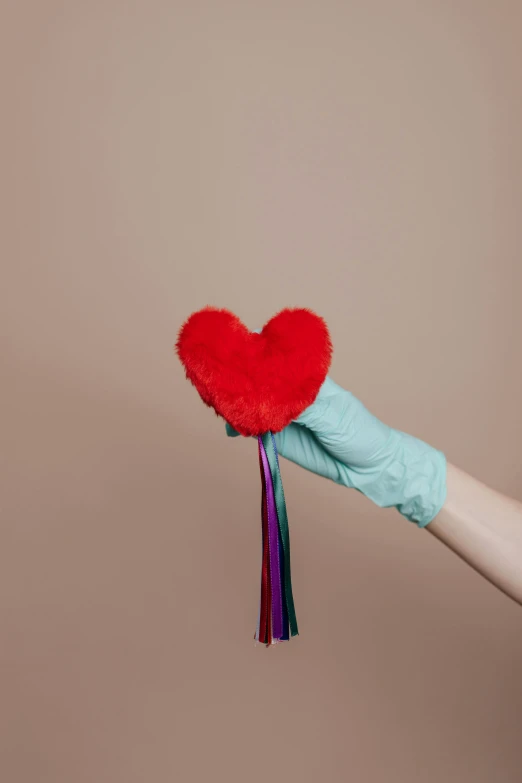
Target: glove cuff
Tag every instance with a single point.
(411, 478)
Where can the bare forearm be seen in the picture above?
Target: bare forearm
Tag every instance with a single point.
(484, 528)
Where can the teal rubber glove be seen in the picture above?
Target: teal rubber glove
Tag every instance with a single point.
(338, 438)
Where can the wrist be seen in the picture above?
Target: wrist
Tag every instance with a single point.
(410, 476)
(423, 489)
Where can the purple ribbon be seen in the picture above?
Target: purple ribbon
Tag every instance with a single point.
(273, 549)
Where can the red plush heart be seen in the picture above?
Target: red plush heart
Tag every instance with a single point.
(256, 382)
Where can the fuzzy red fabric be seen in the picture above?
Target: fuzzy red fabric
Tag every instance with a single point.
(256, 382)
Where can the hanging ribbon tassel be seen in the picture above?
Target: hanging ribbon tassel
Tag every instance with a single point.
(277, 620)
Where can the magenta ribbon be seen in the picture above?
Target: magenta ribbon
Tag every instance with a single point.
(273, 547)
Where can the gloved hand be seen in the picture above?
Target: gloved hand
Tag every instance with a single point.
(338, 438)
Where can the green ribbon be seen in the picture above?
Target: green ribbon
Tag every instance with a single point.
(271, 452)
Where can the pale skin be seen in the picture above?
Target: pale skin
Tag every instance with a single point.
(484, 528)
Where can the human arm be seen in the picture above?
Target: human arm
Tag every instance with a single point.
(484, 528)
(338, 438)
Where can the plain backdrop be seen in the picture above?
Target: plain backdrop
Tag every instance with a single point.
(359, 158)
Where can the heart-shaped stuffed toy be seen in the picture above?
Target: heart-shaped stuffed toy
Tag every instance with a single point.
(256, 382)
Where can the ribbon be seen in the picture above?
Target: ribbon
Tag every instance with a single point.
(284, 529)
(277, 620)
(273, 550)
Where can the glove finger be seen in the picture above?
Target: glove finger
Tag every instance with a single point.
(344, 427)
(299, 445)
(231, 432)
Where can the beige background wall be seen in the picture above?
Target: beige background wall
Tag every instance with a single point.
(360, 158)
